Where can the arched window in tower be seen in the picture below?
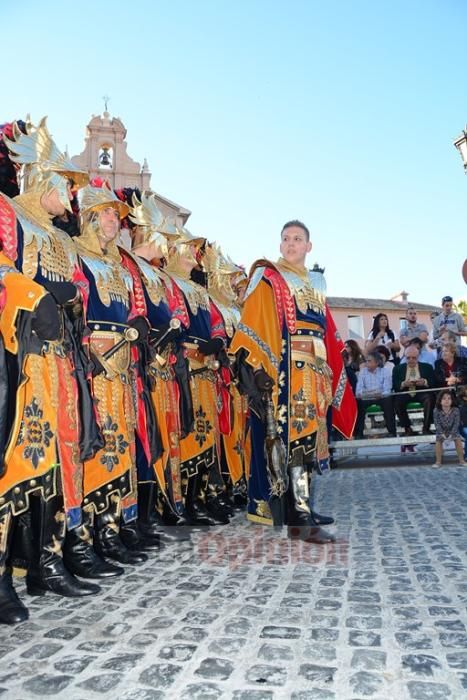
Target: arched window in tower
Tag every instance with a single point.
(105, 157)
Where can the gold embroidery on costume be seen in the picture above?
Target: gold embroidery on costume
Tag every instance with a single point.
(113, 281)
(301, 287)
(195, 294)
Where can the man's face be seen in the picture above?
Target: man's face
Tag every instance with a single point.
(447, 307)
(371, 364)
(109, 222)
(294, 245)
(412, 356)
(411, 315)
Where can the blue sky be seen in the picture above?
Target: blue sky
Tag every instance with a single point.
(254, 112)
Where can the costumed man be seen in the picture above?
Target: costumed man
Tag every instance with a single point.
(44, 446)
(203, 338)
(110, 476)
(222, 275)
(280, 344)
(159, 479)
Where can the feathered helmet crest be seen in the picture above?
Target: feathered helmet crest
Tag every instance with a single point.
(44, 166)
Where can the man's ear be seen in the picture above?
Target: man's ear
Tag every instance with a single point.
(309, 246)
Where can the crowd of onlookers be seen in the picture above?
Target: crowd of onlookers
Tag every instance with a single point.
(422, 367)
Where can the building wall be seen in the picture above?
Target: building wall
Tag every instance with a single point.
(341, 318)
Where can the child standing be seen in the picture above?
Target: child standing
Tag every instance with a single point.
(447, 422)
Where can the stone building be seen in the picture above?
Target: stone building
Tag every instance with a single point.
(105, 156)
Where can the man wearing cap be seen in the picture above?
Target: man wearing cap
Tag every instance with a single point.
(448, 320)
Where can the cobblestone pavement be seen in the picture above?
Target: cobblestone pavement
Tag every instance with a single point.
(241, 613)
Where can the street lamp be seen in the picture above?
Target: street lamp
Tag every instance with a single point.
(461, 144)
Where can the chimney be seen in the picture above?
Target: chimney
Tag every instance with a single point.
(402, 297)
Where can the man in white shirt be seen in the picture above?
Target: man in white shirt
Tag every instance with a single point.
(374, 386)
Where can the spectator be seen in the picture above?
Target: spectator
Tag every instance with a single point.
(374, 386)
(353, 357)
(450, 369)
(447, 424)
(448, 320)
(385, 355)
(381, 334)
(425, 355)
(413, 377)
(463, 413)
(413, 329)
(448, 337)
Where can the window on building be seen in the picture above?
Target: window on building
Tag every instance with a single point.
(355, 326)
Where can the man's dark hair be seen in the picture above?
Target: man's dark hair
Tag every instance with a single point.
(300, 224)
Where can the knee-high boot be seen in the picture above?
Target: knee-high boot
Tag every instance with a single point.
(147, 516)
(299, 518)
(79, 554)
(107, 539)
(48, 571)
(196, 501)
(12, 609)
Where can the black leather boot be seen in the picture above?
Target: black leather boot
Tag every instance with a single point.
(48, 571)
(134, 539)
(108, 543)
(81, 558)
(321, 519)
(299, 517)
(196, 510)
(12, 609)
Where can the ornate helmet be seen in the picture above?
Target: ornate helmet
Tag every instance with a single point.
(91, 201)
(151, 223)
(221, 272)
(181, 248)
(44, 166)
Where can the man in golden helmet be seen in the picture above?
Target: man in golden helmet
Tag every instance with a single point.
(43, 282)
(203, 338)
(159, 482)
(110, 476)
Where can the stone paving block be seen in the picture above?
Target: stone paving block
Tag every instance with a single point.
(142, 694)
(160, 675)
(42, 651)
(275, 652)
(369, 659)
(273, 632)
(177, 652)
(269, 675)
(419, 690)
(123, 662)
(201, 691)
(364, 639)
(313, 694)
(251, 694)
(47, 684)
(421, 664)
(74, 664)
(457, 659)
(217, 668)
(102, 683)
(365, 683)
(227, 645)
(63, 633)
(322, 674)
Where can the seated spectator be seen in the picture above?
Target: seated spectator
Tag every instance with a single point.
(381, 334)
(413, 329)
(425, 354)
(413, 377)
(449, 338)
(447, 424)
(450, 369)
(374, 386)
(449, 320)
(352, 357)
(385, 355)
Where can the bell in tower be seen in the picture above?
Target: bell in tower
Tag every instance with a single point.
(105, 158)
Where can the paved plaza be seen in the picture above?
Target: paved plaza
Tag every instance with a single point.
(242, 613)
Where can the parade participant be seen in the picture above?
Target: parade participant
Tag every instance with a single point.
(280, 341)
(222, 273)
(203, 338)
(43, 468)
(162, 476)
(109, 477)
